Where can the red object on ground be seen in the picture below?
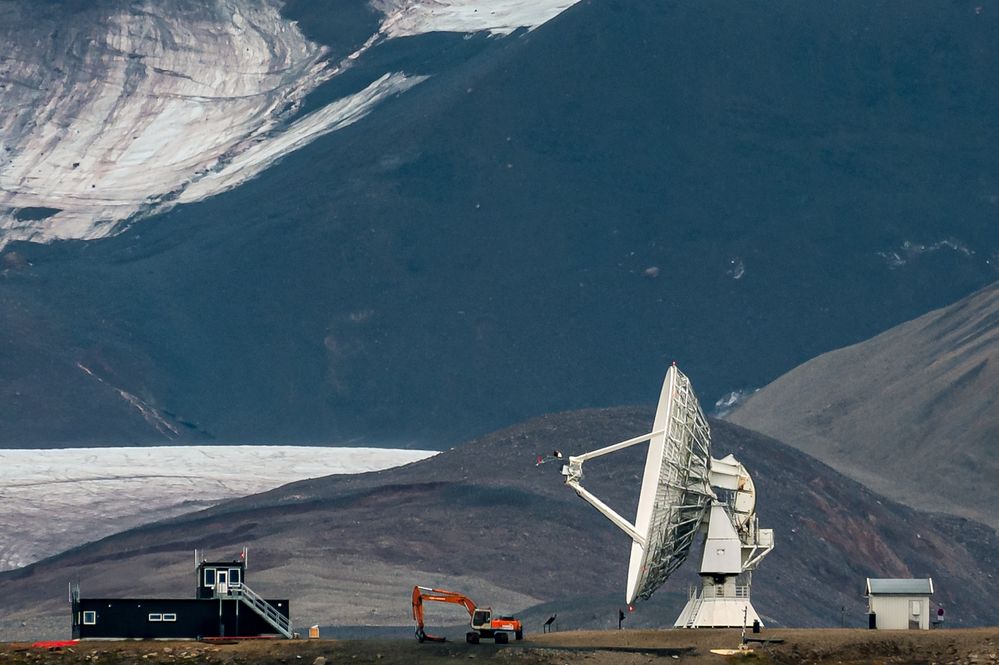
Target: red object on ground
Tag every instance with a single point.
(55, 644)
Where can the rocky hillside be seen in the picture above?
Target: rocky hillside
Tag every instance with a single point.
(484, 518)
(912, 413)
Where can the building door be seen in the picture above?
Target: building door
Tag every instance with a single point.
(222, 583)
(915, 614)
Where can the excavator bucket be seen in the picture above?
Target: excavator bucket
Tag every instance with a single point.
(422, 636)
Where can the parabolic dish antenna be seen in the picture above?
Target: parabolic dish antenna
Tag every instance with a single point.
(677, 502)
(675, 487)
(676, 490)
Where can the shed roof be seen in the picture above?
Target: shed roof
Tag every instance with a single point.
(905, 587)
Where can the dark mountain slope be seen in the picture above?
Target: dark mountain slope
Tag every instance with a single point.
(738, 187)
(485, 519)
(911, 413)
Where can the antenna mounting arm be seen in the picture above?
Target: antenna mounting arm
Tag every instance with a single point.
(573, 472)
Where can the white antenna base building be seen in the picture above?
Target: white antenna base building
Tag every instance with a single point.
(725, 605)
(724, 600)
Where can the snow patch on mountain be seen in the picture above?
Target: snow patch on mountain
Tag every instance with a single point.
(57, 499)
(113, 110)
(736, 268)
(114, 106)
(258, 156)
(909, 251)
(404, 18)
(731, 401)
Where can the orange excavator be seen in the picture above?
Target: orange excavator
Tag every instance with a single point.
(481, 620)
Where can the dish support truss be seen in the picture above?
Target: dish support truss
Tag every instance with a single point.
(671, 534)
(668, 520)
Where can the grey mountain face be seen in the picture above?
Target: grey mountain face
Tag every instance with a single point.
(531, 228)
(912, 413)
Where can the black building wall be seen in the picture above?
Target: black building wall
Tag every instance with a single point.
(129, 618)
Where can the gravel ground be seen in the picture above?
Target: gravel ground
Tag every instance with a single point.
(845, 647)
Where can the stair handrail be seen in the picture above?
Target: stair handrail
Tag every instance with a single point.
(267, 611)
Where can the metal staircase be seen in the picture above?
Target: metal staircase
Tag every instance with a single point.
(267, 612)
(693, 607)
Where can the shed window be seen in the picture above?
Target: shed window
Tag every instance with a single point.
(89, 618)
(156, 617)
(170, 617)
(915, 607)
(234, 577)
(209, 577)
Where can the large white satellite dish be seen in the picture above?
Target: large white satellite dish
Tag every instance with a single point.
(675, 490)
(677, 501)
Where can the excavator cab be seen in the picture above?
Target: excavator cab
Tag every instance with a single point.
(481, 622)
(482, 618)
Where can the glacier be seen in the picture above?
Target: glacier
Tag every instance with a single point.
(404, 18)
(113, 110)
(56, 499)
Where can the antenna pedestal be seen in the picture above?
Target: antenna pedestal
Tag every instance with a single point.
(718, 605)
(730, 554)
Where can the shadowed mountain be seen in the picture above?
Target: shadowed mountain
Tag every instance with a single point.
(740, 187)
(485, 519)
(912, 413)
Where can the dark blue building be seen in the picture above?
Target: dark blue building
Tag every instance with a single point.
(223, 606)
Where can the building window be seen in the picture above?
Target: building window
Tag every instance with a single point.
(209, 577)
(89, 618)
(170, 617)
(156, 617)
(234, 577)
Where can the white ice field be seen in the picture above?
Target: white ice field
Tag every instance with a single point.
(107, 116)
(53, 500)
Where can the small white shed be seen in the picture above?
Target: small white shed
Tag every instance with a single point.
(899, 603)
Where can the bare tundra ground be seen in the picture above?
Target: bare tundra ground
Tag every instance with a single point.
(845, 647)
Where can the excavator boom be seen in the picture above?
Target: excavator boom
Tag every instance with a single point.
(422, 593)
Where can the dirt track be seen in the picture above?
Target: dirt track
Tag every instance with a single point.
(846, 647)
